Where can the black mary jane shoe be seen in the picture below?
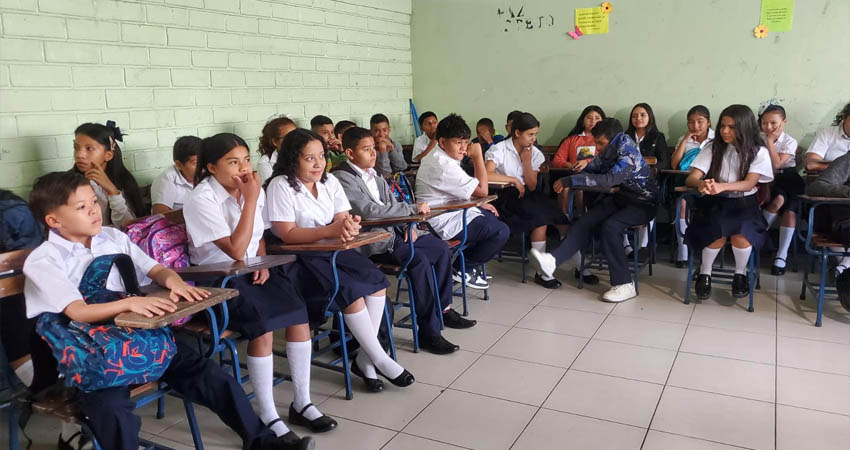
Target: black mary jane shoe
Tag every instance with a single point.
(740, 286)
(321, 424)
(548, 284)
(373, 385)
(776, 270)
(403, 380)
(588, 279)
(703, 287)
(291, 441)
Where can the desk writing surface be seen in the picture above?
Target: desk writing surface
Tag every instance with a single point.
(235, 268)
(463, 204)
(330, 245)
(184, 308)
(832, 200)
(401, 220)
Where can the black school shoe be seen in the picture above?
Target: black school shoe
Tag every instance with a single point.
(588, 279)
(373, 385)
(703, 287)
(66, 444)
(437, 345)
(403, 380)
(776, 270)
(548, 284)
(319, 425)
(740, 286)
(291, 441)
(453, 319)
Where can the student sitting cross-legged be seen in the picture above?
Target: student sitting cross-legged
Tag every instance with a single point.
(69, 263)
(618, 164)
(371, 198)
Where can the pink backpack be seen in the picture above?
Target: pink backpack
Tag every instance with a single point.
(164, 241)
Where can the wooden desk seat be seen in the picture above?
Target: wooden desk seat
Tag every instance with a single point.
(59, 402)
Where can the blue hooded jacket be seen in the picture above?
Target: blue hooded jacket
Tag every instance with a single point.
(620, 164)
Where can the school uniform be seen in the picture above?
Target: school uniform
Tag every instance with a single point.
(358, 276)
(533, 209)
(53, 272)
(371, 198)
(391, 162)
(729, 213)
(420, 144)
(830, 143)
(787, 182)
(266, 166)
(693, 145)
(441, 179)
(170, 189)
(211, 213)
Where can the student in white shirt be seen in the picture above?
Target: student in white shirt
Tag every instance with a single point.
(98, 157)
(441, 179)
(428, 139)
(726, 172)
(273, 134)
(307, 204)
(525, 209)
(788, 184)
(171, 187)
(390, 154)
(67, 204)
(225, 219)
(689, 146)
(830, 142)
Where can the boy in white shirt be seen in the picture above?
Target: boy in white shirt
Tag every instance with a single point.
(428, 139)
(68, 206)
(171, 187)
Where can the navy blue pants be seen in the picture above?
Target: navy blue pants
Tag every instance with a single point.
(610, 218)
(428, 250)
(109, 412)
(485, 236)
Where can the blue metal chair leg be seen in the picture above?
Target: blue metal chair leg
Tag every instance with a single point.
(13, 414)
(823, 271)
(414, 320)
(635, 263)
(484, 274)
(349, 394)
(193, 425)
(438, 305)
(160, 407)
(389, 323)
(689, 277)
(752, 279)
(523, 255)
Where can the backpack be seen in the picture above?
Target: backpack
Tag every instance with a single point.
(95, 356)
(400, 187)
(688, 158)
(18, 228)
(164, 241)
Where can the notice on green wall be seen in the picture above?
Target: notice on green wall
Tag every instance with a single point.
(777, 14)
(592, 20)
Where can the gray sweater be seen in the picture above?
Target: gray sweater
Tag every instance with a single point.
(834, 181)
(364, 206)
(391, 162)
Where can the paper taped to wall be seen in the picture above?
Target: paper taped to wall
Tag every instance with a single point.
(592, 20)
(777, 14)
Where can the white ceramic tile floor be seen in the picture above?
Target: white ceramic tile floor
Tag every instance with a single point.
(560, 369)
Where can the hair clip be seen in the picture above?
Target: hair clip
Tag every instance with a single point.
(116, 132)
(277, 116)
(768, 103)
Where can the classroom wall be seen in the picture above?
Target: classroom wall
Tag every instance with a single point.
(163, 69)
(672, 54)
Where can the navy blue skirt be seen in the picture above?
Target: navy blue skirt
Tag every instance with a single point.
(790, 185)
(532, 210)
(358, 277)
(716, 217)
(265, 307)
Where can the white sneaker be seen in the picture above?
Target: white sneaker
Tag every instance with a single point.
(474, 279)
(620, 293)
(545, 262)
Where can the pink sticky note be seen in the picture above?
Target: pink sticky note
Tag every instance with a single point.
(573, 34)
(578, 31)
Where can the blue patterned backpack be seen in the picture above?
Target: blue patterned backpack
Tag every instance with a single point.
(95, 356)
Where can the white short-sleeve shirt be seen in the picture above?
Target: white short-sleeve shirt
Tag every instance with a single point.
(211, 213)
(731, 162)
(830, 143)
(266, 166)
(508, 161)
(54, 269)
(441, 179)
(420, 144)
(785, 144)
(301, 207)
(170, 189)
(693, 143)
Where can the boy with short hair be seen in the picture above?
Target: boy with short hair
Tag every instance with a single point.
(390, 154)
(371, 198)
(341, 127)
(486, 133)
(67, 204)
(171, 187)
(425, 142)
(324, 127)
(441, 179)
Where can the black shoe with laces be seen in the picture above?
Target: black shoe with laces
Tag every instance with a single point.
(437, 345)
(703, 287)
(740, 286)
(453, 319)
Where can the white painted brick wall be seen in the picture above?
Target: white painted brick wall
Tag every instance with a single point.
(165, 68)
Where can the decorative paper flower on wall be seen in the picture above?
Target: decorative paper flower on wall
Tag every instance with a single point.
(607, 8)
(760, 31)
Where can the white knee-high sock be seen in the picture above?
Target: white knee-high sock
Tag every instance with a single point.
(786, 235)
(708, 257)
(683, 249)
(742, 259)
(361, 327)
(769, 217)
(375, 307)
(540, 246)
(299, 354)
(644, 234)
(627, 246)
(843, 263)
(261, 371)
(24, 372)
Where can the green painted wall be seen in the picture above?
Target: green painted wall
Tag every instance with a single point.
(670, 53)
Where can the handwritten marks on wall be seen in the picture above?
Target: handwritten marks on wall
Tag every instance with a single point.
(518, 20)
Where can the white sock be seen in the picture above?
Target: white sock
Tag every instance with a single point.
(683, 249)
(627, 246)
(769, 217)
(361, 327)
(375, 307)
(540, 246)
(25, 373)
(742, 259)
(786, 235)
(843, 262)
(298, 354)
(261, 372)
(708, 257)
(644, 234)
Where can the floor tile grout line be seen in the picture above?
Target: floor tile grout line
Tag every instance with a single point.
(704, 440)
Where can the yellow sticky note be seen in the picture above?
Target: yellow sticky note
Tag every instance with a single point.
(592, 20)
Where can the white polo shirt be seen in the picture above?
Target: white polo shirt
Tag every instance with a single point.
(420, 144)
(170, 189)
(441, 179)
(301, 207)
(508, 161)
(54, 269)
(830, 143)
(729, 168)
(266, 166)
(787, 145)
(370, 177)
(211, 213)
(693, 143)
